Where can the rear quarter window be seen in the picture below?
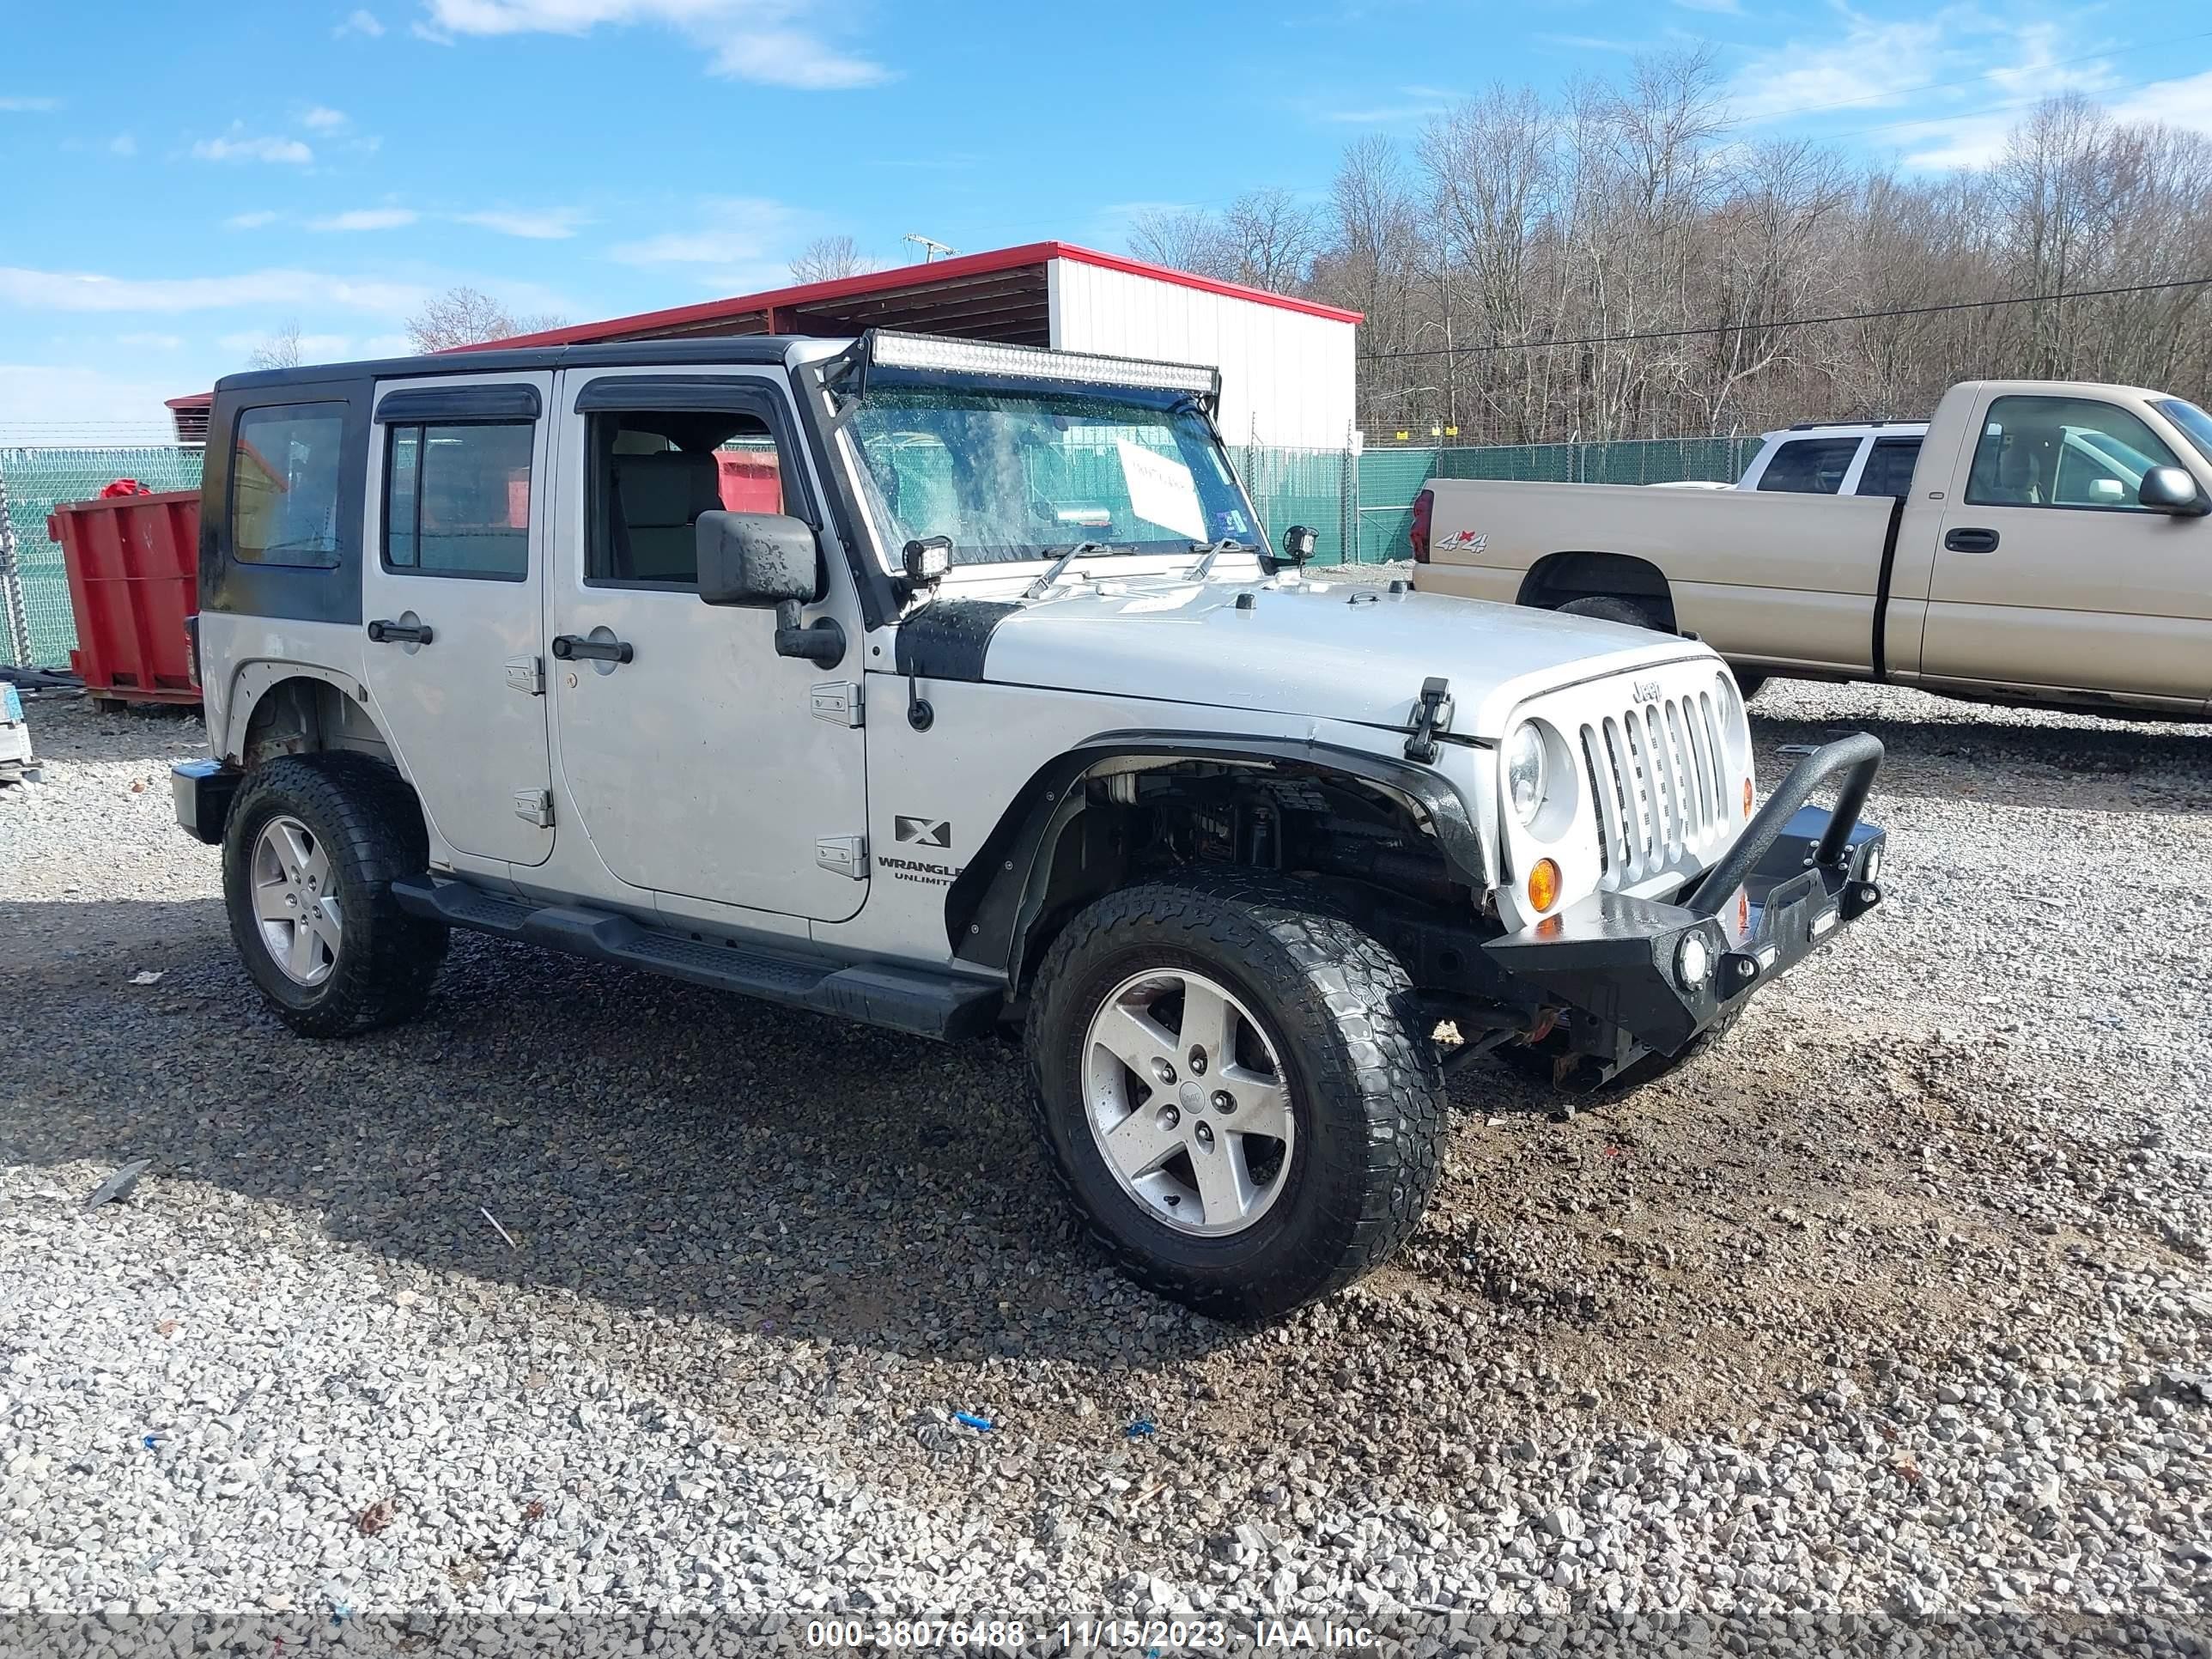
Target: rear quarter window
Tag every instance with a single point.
(1809, 466)
(286, 465)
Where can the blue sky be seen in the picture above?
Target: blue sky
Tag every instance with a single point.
(181, 180)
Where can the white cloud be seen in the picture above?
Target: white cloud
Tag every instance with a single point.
(2183, 103)
(123, 144)
(252, 221)
(536, 224)
(361, 22)
(239, 146)
(321, 119)
(144, 342)
(29, 106)
(366, 219)
(762, 40)
(267, 290)
(59, 401)
(1874, 66)
(743, 231)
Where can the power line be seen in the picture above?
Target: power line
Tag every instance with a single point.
(1790, 322)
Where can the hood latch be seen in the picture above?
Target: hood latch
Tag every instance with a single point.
(1432, 715)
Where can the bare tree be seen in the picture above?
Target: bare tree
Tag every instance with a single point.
(827, 258)
(1272, 237)
(467, 316)
(279, 349)
(1183, 239)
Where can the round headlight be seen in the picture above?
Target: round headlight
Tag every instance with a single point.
(1524, 772)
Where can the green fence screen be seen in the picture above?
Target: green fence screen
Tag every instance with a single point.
(1360, 507)
(37, 481)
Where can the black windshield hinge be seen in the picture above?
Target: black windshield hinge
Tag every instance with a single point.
(1432, 715)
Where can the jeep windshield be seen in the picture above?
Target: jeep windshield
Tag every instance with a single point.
(1011, 475)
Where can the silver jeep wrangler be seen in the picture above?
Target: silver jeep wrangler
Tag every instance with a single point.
(941, 685)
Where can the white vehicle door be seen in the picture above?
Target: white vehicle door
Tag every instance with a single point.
(700, 762)
(452, 595)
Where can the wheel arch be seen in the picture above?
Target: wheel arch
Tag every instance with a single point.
(999, 912)
(295, 709)
(1558, 579)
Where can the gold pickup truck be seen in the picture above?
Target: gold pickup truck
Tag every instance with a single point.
(2050, 549)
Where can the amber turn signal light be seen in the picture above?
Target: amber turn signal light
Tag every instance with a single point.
(1544, 886)
(1747, 798)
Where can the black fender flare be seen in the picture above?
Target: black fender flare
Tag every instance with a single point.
(993, 902)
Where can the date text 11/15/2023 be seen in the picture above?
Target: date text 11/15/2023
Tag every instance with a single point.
(1150, 1637)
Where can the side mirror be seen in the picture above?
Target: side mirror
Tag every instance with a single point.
(2170, 489)
(758, 559)
(1298, 543)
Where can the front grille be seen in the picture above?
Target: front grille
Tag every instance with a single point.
(1656, 773)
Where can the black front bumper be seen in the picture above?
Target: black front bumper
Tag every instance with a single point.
(1626, 966)
(203, 790)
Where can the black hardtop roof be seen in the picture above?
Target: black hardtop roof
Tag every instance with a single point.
(615, 353)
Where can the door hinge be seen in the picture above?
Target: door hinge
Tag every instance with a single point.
(843, 855)
(527, 675)
(837, 701)
(535, 806)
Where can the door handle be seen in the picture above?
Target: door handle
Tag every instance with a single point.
(393, 633)
(570, 646)
(1972, 541)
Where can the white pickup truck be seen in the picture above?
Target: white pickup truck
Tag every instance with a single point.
(1856, 457)
(2047, 547)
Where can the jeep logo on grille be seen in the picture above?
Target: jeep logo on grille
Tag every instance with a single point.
(1645, 691)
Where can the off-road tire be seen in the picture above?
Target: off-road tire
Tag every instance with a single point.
(1367, 1094)
(365, 816)
(1607, 607)
(1536, 1064)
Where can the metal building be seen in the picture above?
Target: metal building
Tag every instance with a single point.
(1286, 365)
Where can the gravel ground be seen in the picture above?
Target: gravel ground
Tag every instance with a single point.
(1895, 1310)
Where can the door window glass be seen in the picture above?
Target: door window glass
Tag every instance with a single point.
(457, 500)
(284, 467)
(655, 471)
(2195, 425)
(2062, 452)
(1888, 470)
(1810, 467)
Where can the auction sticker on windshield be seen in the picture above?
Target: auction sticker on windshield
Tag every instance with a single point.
(1162, 490)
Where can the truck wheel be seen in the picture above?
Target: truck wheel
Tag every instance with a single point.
(1238, 1090)
(1607, 608)
(313, 845)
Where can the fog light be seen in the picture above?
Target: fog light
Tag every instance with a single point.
(1693, 961)
(1544, 884)
(1873, 870)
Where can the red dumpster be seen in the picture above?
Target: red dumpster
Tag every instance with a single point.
(133, 565)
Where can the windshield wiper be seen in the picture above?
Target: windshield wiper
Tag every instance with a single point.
(1213, 551)
(1042, 585)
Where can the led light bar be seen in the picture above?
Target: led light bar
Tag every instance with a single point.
(892, 350)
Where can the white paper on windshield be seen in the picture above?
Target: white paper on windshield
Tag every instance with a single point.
(1162, 490)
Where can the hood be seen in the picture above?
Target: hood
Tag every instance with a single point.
(1343, 651)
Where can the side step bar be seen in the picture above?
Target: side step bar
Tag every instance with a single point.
(944, 1007)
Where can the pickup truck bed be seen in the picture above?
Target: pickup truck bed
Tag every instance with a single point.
(2052, 548)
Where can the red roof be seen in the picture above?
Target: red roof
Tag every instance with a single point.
(1000, 295)
(698, 318)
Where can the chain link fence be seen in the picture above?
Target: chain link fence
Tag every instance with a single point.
(1390, 478)
(41, 630)
(1360, 505)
